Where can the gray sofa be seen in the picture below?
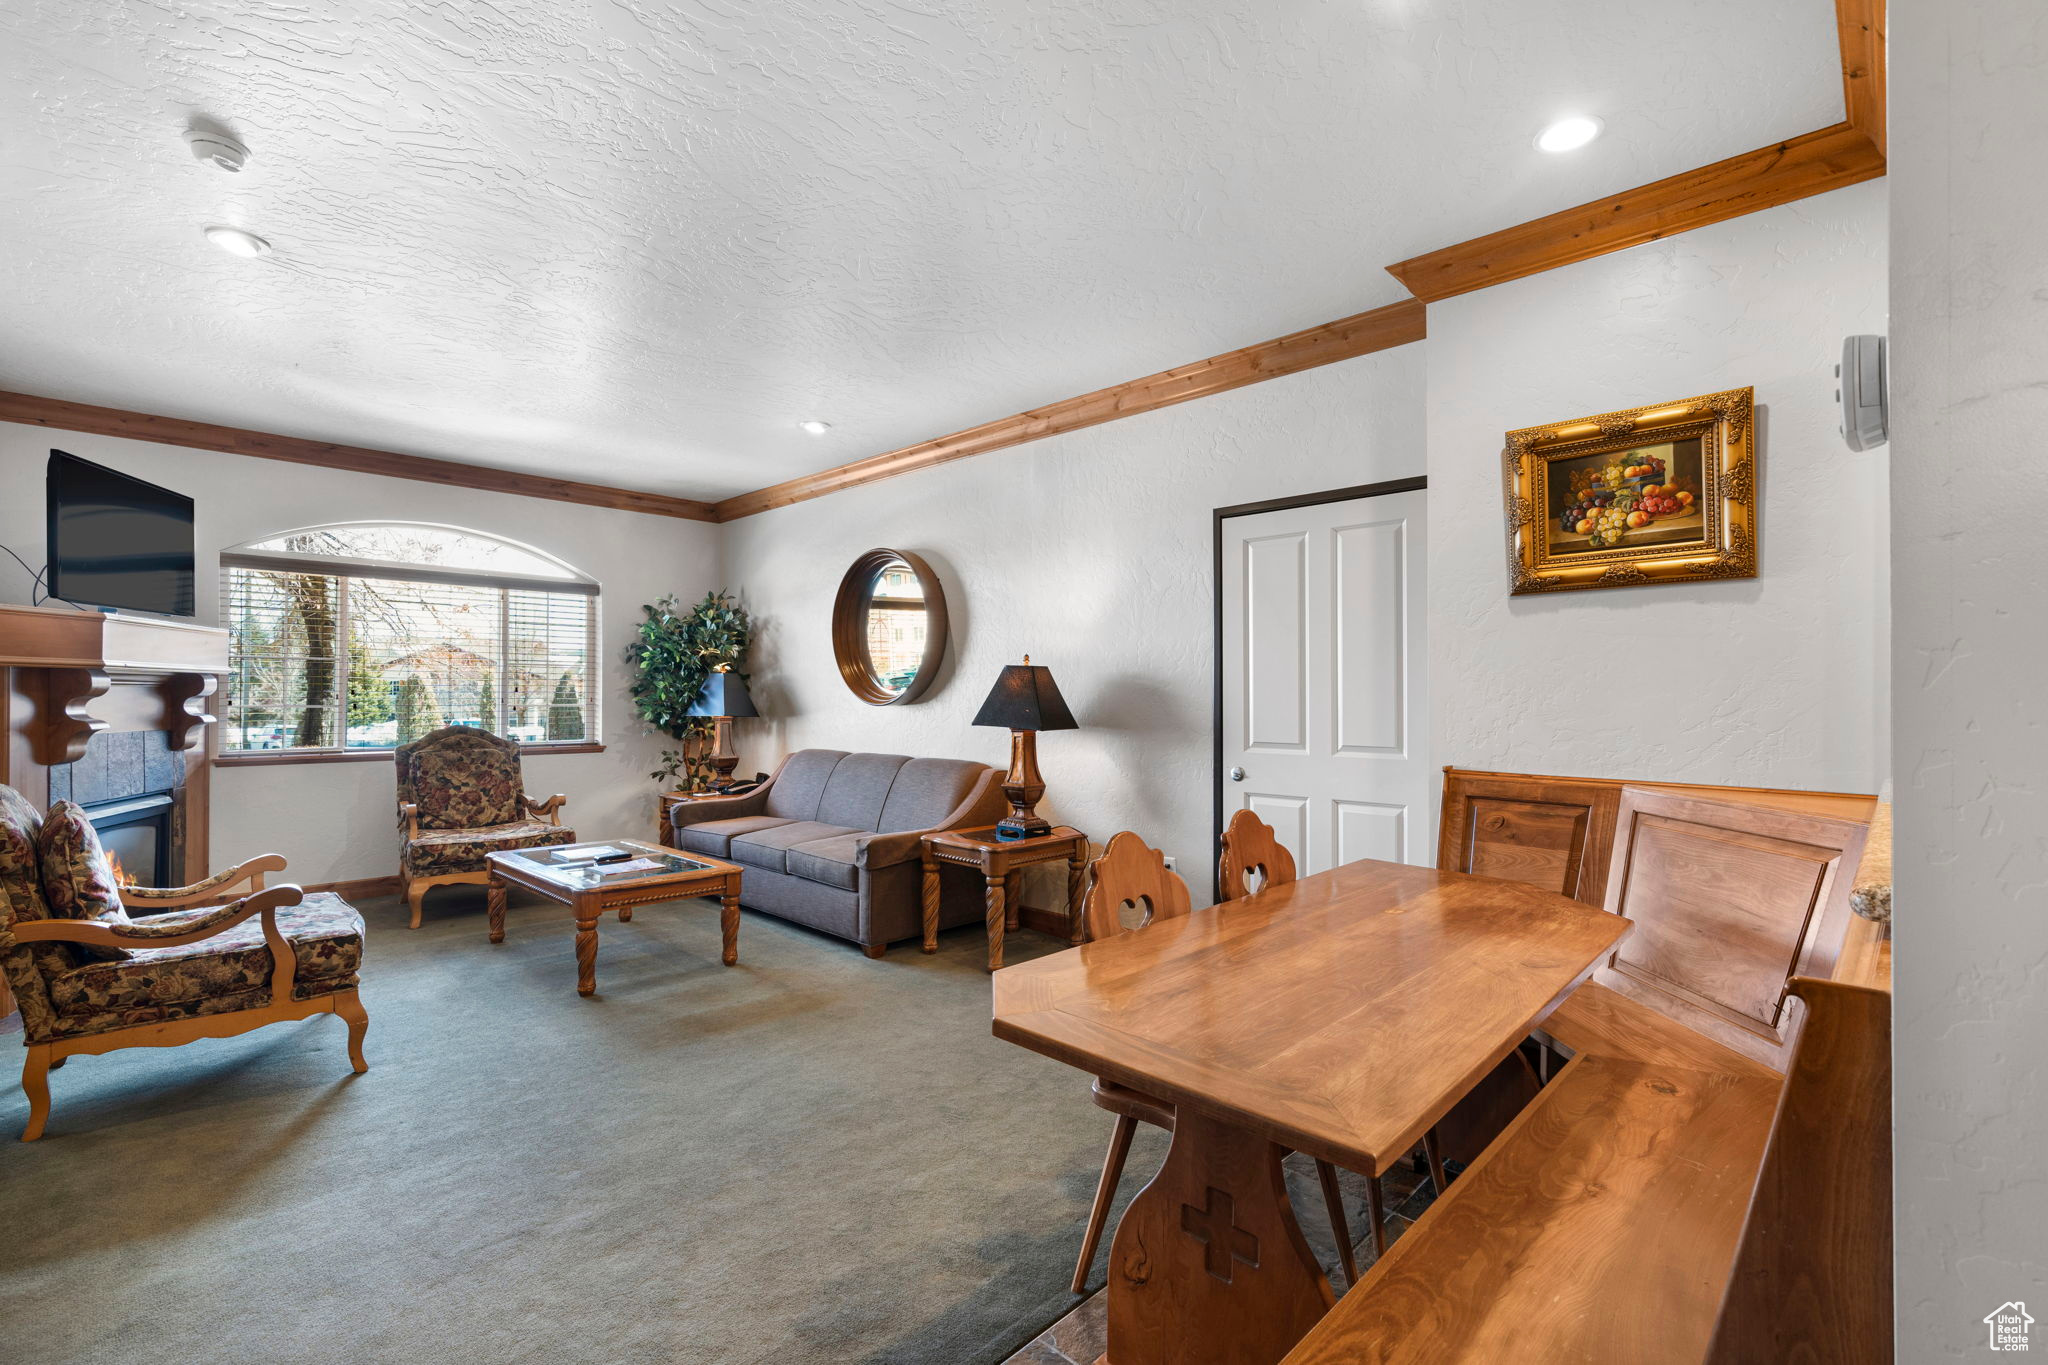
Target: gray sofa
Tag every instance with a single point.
(832, 840)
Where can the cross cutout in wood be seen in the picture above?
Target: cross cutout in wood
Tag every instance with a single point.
(1223, 1242)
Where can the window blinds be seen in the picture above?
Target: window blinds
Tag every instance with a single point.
(327, 660)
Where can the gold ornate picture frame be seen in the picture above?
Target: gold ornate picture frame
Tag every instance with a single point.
(1658, 494)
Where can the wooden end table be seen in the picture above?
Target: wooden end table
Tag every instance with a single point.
(664, 832)
(589, 892)
(999, 861)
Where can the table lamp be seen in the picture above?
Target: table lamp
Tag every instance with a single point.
(724, 697)
(1025, 700)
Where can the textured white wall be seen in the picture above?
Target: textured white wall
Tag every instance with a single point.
(1089, 551)
(334, 820)
(1769, 682)
(1969, 89)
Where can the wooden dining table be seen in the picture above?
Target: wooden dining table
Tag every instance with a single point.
(1340, 1015)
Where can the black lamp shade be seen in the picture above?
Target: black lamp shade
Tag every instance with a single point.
(1026, 698)
(724, 695)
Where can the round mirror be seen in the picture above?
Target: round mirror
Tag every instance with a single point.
(889, 627)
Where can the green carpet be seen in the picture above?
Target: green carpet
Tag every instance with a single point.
(810, 1157)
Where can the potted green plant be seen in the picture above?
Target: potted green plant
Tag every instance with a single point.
(677, 650)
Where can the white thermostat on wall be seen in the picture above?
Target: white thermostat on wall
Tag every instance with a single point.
(1861, 393)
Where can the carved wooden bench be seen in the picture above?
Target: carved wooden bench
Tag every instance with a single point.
(1622, 1216)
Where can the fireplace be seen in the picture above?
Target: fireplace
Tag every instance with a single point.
(106, 710)
(137, 834)
(130, 785)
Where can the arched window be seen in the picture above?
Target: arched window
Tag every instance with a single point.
(357, 638)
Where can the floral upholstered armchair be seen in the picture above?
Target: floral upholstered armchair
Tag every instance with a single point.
(89, 978)
(461, 796)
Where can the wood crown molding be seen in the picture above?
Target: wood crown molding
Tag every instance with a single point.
(1361, 334)
(1839, 155)
(1794, 169)
(1860, 29)
(1814, 163)
(60, 415)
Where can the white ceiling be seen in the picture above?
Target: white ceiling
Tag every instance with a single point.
(636, 243)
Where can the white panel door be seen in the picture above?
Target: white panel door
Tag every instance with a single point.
(1324, 712)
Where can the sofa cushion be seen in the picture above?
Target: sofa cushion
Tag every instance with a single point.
(326, 935)
(21, 898)
(800, 783)
(926, 791)
(445, 852)
(858, 788)
(21, 870)
(78, 881)
(769, 848)
(714, 837)
(828, 862)
(836, 861)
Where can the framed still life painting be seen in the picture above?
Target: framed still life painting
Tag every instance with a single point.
(1658, 494)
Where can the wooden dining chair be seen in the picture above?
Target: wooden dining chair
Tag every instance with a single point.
(1132, 876)
(1249, 845)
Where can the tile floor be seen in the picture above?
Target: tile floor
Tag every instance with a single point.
(1081, 1336)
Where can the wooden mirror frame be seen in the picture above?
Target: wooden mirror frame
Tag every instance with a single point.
(850, 636)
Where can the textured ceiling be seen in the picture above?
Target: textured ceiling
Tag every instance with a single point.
(636, 243)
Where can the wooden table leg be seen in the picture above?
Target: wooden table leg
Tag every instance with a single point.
(1077, 933)
(729, 920)
(931, 904)
(1208, 1263)
(586, 955)
(993, 898)
(494, 906)
(1013, 900)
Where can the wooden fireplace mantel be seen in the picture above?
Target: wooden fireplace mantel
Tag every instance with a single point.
(78, 656)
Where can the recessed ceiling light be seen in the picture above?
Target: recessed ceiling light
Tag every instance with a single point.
(1569, 134)
(815, 427)
(236, 242)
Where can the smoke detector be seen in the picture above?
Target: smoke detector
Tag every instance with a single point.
(210, 144)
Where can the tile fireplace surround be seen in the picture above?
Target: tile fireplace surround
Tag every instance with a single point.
(132, 785)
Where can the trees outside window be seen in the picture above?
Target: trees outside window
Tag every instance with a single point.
(367, 636)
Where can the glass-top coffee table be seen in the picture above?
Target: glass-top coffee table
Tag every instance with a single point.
(571, 875)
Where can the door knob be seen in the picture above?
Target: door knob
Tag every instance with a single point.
(1237, 774)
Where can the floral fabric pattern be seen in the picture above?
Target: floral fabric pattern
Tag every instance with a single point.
(21, 898)
(172, 923)
(461, 778)
(99, 1021)
(442, 852)
(21, 867)
(78, 881)
(132, 894)
(325, 932)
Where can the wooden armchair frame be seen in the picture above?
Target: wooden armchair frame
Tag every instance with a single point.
(416, 888)
(158, 899)
(44, 1057)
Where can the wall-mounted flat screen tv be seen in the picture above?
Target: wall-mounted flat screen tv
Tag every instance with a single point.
(116, 541)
